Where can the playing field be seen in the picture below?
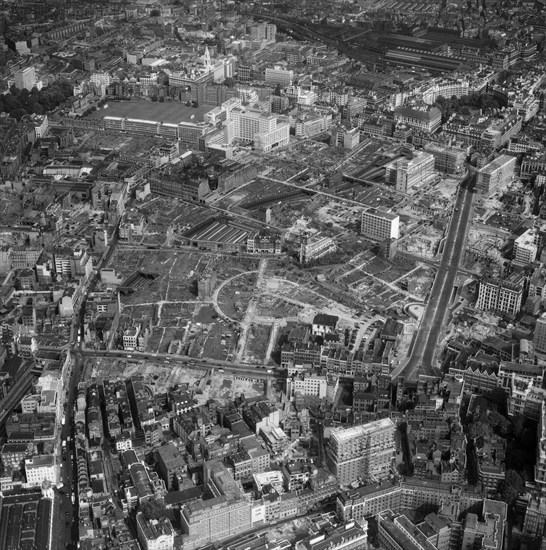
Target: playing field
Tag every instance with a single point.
(172, 111)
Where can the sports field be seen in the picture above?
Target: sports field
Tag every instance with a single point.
(172, 111)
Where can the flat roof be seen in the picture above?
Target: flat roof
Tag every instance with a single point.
(343, 434)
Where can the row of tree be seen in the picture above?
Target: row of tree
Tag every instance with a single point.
(19, 103)
(465, 103)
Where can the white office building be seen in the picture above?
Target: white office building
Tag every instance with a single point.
(379, 226)
(25, 78)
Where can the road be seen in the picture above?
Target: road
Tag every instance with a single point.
(68, 512)
(252, 369)
(422, 357)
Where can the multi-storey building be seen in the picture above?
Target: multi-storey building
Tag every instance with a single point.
(155, 534)
(526, 398)
(535, 516)
(397, 532)
(378, 225)
(315, 247)
(495, 175)
(214, 519)
(477, 379)
(39, 469)
(489, 532)
(13, 454)
(263, 31)
(540, 466)
(409, 173)
(21, 256)
(351, 536)
(447, 159)
(526, 247)
(25, 79)
(429, 119)
(362, 451)
(501, 295)
(279, 76)
(539, 338)
(170, 465)
(306, 385)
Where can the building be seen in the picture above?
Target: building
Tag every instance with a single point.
(303, 384)
(263, 31)
(313, 248)
(364, 451)
(350, 536)
(279, 76)
(25, 79)
(502, 295)
(526, 247)
(539, 339)
(540, 466)
(535, 516)
(407, 174)
(428, 119)
(264, 130)
(378, 225)
(170, 465)
(226, 514)
(496, 175)
(324, 324)
(39, 469)
(397, 532)
(14, 454)
(155, 534)
(525, 398)
(486, 533)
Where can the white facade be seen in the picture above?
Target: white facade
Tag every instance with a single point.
(265, 130)
(307, 385)
(275, 76)
(408, 173)
(40, 468)
(25, 78)
(378, 225)
(525, 247)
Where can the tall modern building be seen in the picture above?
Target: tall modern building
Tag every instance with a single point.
(495, 175)
(265, 130)
(526, 247)
(409, 173)
(226, 514)
(363, 451)
(25, 78)
(378, 225)
(446, 158)
(263, 31)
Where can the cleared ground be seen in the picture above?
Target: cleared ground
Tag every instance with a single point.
(162, 375)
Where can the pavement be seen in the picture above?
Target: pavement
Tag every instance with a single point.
(422, 357)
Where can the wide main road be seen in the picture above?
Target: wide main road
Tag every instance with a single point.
(421, 359)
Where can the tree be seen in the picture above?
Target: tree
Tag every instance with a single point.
(517, 425)
(153, 509)
(479, 429)
(498, 397)
(511, 487)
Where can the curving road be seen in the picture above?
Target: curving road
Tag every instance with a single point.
(421, 359)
